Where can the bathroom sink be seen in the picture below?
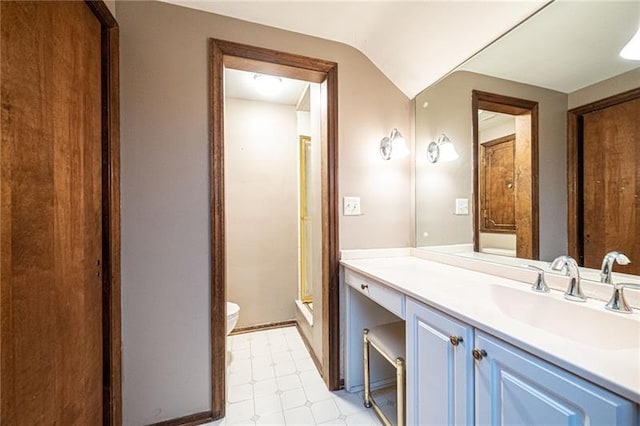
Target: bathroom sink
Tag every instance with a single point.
(584, 323)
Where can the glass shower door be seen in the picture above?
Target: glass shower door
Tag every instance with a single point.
(306, 194)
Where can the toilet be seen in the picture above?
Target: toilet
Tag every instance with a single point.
(233, 313)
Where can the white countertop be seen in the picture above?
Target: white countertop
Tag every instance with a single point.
(469, 296)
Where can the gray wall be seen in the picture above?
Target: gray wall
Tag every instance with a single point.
(165, 189)
(111, 4)
(612, 86)
(261, 194)
(438, 185)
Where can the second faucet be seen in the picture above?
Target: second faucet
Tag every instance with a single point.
(570, 266)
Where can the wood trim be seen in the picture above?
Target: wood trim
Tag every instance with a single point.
(244, 64)
(528, 237)
(574, 170)
(475, 207)
(518, 107)
(221, 52)
(271, 57)
(111, 166)
(190, 420)
(503, 104)
(574, 186)
(331, 257)
(262, 327)
(112, 334)
(218, 238)
(102, 12)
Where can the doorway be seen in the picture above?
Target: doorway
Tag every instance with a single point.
(259, 60)
(603, 163)
(505, 177)
(264, 160)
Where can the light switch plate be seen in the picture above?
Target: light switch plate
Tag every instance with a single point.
(351, 206)
(462, 206)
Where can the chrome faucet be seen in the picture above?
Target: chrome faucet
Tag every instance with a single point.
(540, 285)
(617, 302)
(569, 265)
(607, 265)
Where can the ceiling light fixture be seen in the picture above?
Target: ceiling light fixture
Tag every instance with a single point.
(441, 149)
(631, 50)
(267, 84)
(393, 146)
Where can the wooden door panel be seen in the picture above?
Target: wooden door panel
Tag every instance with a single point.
(611, 188)
(51, 251)
(497, 186)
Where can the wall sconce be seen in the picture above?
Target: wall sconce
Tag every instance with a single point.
(441, 149)
(393, 146)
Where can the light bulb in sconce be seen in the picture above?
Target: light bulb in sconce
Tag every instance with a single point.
(393, 146)
(267, 84)
(631, 50)
(441, 149)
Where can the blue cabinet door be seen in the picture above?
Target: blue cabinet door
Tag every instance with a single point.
(516, 388)
(439, 373)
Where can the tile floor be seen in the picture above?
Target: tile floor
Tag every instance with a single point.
(273, 381)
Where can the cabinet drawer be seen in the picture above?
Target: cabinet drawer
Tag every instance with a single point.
(386, 297)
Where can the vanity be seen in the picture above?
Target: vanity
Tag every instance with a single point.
(519, 159)
(482, 348)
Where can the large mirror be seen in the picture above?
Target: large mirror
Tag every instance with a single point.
(544, 124)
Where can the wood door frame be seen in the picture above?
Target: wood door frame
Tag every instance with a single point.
(513, 106)
(110, 134)
(575, 160)
(255, 59)
(111, 307)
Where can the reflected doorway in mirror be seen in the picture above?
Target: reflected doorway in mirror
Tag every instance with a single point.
(505, 177)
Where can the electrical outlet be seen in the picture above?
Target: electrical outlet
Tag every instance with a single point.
(462, 206)
(351, 206)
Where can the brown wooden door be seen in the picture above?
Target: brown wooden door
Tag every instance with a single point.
(611, 185)
(497, 185)
(51, 215)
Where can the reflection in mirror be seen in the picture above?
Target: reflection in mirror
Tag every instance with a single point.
(563, 58)
(505, 179)
(496, 176)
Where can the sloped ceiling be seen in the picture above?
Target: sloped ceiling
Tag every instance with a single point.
(413, 43)
(569, 45)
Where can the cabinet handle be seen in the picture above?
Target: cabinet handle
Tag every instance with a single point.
(364, 286)
(478, 354)
(456, 340)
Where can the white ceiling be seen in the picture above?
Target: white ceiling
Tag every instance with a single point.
(489, 119)
(565, 47)
(241, 85)
(413, 43)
